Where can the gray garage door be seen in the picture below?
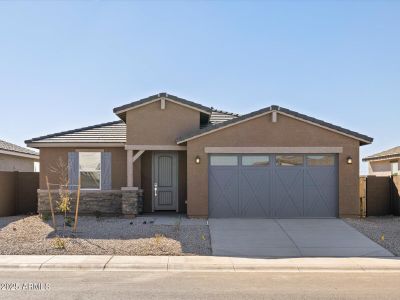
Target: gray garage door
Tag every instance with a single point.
(273, 186)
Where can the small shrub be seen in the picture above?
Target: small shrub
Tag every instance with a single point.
(158, 238)
(59, 243)
(45, 217)
(69, 221)
(64, 204)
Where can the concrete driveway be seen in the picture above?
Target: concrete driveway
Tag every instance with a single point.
(290, 238)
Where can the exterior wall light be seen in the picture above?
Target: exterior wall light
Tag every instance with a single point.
(349, 160)
(197, 160)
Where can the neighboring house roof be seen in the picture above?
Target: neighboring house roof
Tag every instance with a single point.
(121, 110)
(15, 150)
(105, 133)
(362, 138)
(387, 154)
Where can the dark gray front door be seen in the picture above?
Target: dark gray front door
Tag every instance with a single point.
(165, 181)
(273, 186)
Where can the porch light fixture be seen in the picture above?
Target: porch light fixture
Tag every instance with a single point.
(197, 160)
(349, 160)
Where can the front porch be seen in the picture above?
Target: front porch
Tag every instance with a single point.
(160, 172)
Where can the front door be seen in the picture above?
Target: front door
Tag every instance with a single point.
(165, 180)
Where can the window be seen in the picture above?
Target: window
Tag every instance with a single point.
(90, 170)
(289, 160)
(320, 160)
(255, 160)
(224, 160)
(394, 167)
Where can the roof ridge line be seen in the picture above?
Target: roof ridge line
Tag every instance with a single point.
(120, 109)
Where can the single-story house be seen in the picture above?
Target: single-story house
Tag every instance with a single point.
(385, 163)
(16, 158)
(171, 154)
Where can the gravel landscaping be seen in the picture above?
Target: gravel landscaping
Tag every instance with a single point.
(383, 230)
(111, 235)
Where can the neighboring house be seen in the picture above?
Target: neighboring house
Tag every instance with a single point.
(385, 163)
(170, 154)
(16, 158)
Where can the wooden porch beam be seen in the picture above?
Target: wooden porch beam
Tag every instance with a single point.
(156, 147)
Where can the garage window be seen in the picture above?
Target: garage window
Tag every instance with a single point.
(289, 160)
(320, 160)
(255, 160)
(224, 160)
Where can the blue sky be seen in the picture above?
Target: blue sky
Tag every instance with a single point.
(64, 65)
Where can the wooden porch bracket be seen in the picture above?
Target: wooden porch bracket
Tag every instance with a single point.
(137, 155)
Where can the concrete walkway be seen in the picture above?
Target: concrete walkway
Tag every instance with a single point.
(272, 238)
(194, 263)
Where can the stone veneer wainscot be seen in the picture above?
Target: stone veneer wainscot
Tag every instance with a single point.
(112, 202)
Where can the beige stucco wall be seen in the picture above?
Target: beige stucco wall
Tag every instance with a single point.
(50, 156)
(150, 125)
(380, 168)
(16, 163)
(261, 132)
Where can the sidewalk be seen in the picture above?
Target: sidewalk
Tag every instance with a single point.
(194, 263)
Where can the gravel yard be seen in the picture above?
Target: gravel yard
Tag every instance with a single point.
(111, 235)
(383, 230)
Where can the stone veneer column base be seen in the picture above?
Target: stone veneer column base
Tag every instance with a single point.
(111, 202)
(131, 202)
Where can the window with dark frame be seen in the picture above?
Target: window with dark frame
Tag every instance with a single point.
(90, 170)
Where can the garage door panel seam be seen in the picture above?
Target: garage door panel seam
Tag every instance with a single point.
(254, 196)
(287, 192)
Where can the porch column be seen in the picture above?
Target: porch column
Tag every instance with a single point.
(129, 168)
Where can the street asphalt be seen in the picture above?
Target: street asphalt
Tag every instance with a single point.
(197, 285)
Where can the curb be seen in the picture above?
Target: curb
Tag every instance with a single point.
(108, 263)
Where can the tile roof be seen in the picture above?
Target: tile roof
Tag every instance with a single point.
(111, 132)
(218, 116)
(121, 109)
(9, 147)
(115, 132)
(387, 154)
(363, 138)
